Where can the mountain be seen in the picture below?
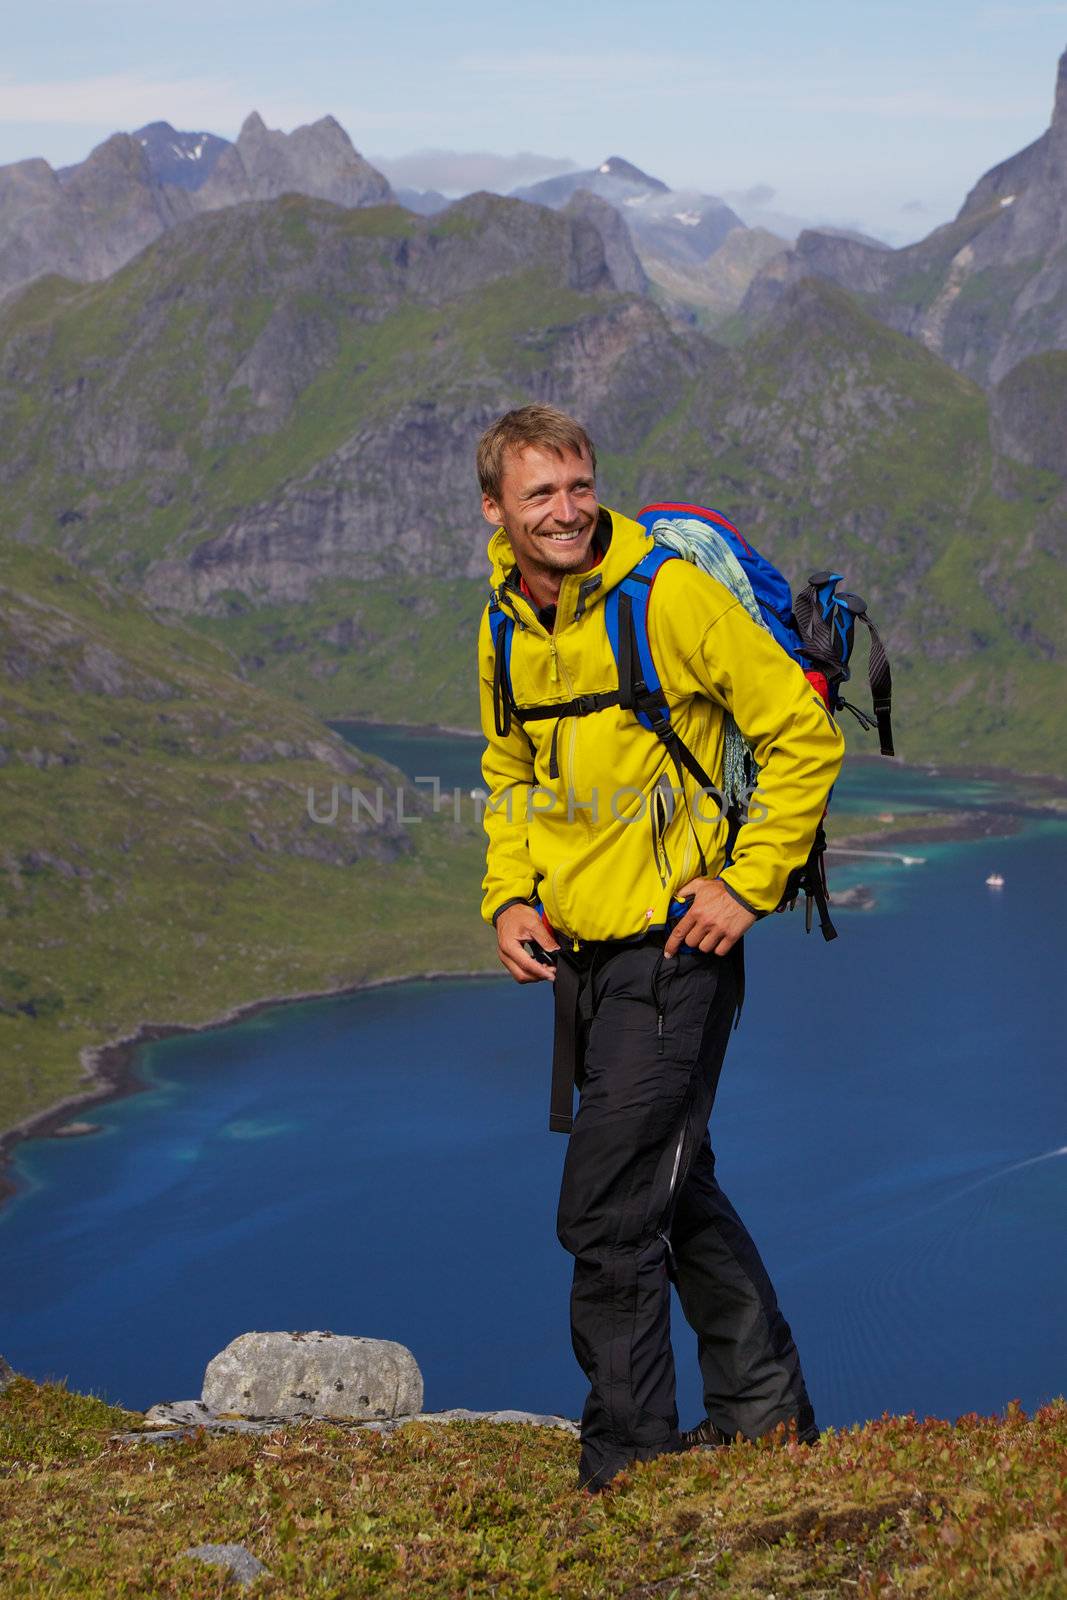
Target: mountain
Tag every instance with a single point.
(317, 160)
(709, 291)
(678, 226)
(425, 202)
(240, 397)
(986, 290)
(615, 180)
(182, 159)
(155, 836)
(267, 421)
(88, 220)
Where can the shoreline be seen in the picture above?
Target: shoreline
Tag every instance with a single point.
(1052, 781)
(111, 1071)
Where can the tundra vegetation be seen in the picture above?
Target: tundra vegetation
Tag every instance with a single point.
(899, 1509)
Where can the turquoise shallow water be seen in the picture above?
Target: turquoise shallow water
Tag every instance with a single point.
(892, 1124)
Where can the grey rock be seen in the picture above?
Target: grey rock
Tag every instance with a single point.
(173, 1419)
(318, 1374)
(628, 275)
(193, 1413)
(317, 159)
(7, 1375)
(241, 1565)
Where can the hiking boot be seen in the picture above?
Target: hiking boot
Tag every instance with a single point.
(705, 1436)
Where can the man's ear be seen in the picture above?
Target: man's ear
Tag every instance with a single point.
(491, 511)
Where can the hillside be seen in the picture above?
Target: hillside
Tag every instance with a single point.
(267, 421)
(157, 858)
(898, 1509)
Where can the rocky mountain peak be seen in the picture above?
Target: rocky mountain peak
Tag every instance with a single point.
(617, 167)
(182, 159)
(252, 127)
(316, 159)
(1059, 108)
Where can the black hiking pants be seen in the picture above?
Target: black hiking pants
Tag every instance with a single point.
(640, 1207)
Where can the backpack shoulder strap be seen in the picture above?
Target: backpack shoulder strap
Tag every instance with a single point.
(502, 627)
(626, 620)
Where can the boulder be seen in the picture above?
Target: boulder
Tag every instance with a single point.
(7, 1375)
(239, 1564)
(313, 1374)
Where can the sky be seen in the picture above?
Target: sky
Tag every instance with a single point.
(856, 113)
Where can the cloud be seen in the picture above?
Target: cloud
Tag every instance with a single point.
(915, 207)
(759, 194)
(128, 99)
(461, 171)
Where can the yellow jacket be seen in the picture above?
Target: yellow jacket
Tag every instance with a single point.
(601, 845)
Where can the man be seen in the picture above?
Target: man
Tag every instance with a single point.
(593, 853)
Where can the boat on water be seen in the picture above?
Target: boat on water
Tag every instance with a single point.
(995, 880)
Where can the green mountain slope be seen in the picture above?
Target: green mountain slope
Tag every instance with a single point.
(832, 441)
(157, 856)
(267, 421)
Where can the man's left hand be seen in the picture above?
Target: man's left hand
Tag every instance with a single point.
(714, 922)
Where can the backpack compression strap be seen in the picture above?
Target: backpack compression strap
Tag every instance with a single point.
(827, 621)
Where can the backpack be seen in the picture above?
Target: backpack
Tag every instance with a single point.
(817, 630)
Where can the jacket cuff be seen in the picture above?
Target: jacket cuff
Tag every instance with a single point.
(516, 900)
(738, 897)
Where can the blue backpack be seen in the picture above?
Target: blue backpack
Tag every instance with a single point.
(817, 630)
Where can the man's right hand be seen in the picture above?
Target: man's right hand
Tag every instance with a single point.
(512, 927)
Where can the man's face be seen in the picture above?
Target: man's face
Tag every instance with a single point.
(548, 509)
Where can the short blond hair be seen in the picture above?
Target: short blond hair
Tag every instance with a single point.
(529, 425)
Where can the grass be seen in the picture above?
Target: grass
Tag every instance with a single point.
(898, 1508)
(157, 857)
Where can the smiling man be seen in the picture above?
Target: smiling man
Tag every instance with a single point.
(608, 875)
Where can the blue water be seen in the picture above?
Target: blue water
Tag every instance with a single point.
(892, 1124)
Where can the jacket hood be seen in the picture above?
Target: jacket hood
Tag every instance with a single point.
(628, 542)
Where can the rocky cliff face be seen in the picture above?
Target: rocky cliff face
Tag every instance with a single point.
(86, 223)
(274, 410)
(317, 160)
(983, 292)
(88, 220)
(295, 389)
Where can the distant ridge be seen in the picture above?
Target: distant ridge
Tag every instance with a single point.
(86, 221)
(985, 291)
